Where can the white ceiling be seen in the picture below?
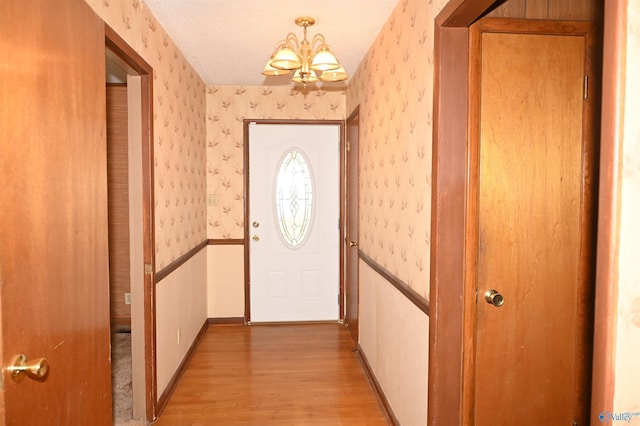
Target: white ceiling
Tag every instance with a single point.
(228, 42)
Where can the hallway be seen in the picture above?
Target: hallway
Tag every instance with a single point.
(274, 375)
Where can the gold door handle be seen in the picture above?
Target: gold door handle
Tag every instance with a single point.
(255, 224)
(494, 298)
(353, 243)
(256, 238)
(20, 368)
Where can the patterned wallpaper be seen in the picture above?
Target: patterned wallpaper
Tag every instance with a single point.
(227, 107)
(627, 375)
(179, 107)
(394, 88)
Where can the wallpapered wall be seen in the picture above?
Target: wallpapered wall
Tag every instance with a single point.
(227, 107)
(394, 87)
(179, 129)
(628, 330)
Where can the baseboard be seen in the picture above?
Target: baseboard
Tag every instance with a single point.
(294, 322)
(377, 389)
(226, 321)
(173, 383)
(120, 324)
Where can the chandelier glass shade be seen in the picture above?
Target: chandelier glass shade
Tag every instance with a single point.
(309, 61)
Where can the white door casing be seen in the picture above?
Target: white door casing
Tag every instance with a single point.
(297, 280)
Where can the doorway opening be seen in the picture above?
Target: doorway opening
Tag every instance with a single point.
(131, 238)
(449, 368)
(351, 206)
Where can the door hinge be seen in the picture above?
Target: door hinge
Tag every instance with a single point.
(585, 88)
(348, 147)
(148, 269)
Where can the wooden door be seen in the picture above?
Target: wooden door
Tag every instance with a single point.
(351, 240)
(535, 223)
(294, 227)
(53, 251)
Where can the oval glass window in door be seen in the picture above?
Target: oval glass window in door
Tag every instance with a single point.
(294, 198)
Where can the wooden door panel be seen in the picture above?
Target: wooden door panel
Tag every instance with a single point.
(54, 254)
(530, 229)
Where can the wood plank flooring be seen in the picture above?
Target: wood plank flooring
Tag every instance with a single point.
(274, 375)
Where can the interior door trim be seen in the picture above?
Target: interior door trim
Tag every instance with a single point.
(613, 77)
(139, 66)
(351, 203)
(247, 227)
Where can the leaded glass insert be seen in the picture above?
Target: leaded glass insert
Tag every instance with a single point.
(294, 198)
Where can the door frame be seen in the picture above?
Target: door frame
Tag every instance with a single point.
(138, 66)
(351, 209)
(447, 377)
(247, 229)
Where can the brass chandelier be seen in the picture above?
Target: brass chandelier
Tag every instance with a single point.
(306, 59)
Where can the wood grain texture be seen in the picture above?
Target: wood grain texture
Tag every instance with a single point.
(54, 251)
(450, 128)
(118, 184)
(448, 219)
(580, 10)
(535, 226)
(274, 375)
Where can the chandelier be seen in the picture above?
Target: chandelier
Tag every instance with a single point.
(310, 61)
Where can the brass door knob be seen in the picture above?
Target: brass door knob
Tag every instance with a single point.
(494, 298)
(20, 368)
(255, 224)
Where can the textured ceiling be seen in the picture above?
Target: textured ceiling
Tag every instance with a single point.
(228, 42)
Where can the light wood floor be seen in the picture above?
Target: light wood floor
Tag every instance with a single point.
(274, 375)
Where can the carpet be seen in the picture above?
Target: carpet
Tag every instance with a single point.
(121, 380)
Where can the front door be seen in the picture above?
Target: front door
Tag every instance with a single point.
(54, 248)
(294, 222)
(535, 222)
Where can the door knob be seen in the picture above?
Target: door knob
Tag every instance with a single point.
(20, 368)
(256, 238)
(353, 243)
(494, 298)
(255, 224)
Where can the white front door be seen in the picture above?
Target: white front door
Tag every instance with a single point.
(294, 222)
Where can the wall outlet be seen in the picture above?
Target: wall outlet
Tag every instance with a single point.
(127, 298)
(212, 199)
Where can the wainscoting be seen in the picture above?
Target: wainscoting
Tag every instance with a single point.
(394, 338)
